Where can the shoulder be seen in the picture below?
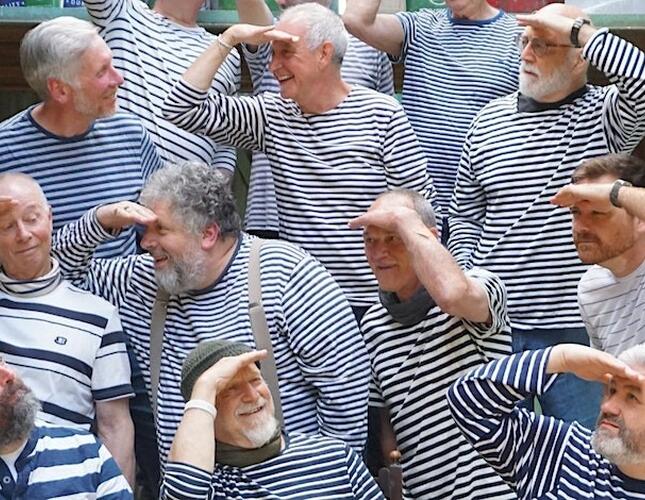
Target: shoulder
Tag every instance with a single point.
(83, 301)
(362, 100)
(17, 121)
(594, 277)
(121, 121)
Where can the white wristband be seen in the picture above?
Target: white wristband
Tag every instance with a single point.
(223, 43)
(200, 404)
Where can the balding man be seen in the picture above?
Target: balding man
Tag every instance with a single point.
(67, 344)
(434, 321)
(520, 150)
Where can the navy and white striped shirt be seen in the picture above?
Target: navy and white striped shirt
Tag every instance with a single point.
(362, 64)
(108, 163)
(539, 456)
(322, 363)
(59, 463)
(308, 467)
(327, 168)
(66, 344)
(453, 67)
(412, 367)
(613, 308)
(152, 52)
(515, 160)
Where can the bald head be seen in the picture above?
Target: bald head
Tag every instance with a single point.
(408, 199)
(566, 10)
(12, 183)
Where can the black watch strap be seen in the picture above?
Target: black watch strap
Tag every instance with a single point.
(575, 30)
(613, 194)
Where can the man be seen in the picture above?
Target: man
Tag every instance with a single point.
(519, 151)
(152, 47)
(200, 256)
(66, 344)
(230, 445)
(611, 294)
(74, 143)
(544, 457)
(361, 65)
(456, 60)
(43, 461)
(433, 323)
(332, 147)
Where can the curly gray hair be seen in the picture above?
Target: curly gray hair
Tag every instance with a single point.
(198, 194)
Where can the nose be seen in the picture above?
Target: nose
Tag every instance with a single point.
(117, 77)
(610, 405)
(250, 393)
(527, 53)
(147, 240)
(22, 233)
(275, 62)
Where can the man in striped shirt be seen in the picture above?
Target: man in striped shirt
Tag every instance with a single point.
(200, 256)
(434, 322)
(332, 147)
(230, 445)
(74, 143)
(456, 60)
(362, 65)
(520, 150)
(66, 343)
(544, 457)
(611, 294)
(152, 47)
(42, 461)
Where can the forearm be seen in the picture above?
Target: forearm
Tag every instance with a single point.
(254, 12)
(201, 73)
(382, 31)
(194, 442)
(452, 290)
(118, 436)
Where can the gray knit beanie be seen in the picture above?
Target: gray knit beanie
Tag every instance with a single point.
(202, 357)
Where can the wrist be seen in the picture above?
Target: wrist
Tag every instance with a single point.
(201, 405)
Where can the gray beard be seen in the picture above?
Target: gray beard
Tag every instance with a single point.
(183, 275)
(17, 418)
(616, 449)
(260, 435)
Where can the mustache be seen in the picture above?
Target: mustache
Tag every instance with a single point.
(584, 237)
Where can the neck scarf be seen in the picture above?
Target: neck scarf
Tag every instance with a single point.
(31, 288)
(235, 456)
(410, 312)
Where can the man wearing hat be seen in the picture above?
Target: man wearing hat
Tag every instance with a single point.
(239, 455)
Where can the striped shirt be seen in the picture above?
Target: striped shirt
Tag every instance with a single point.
(453, 67)
(539, 456)
(108, 163)
(66, 344)
(412, 367)
(308, 467)
(321, 360)
(515, 161)
(63, 463)
(362, 64)
(152, 52)
(327, 168)
(613, 308)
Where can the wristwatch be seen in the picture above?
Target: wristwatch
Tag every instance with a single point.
(575, 29)
(613, 194)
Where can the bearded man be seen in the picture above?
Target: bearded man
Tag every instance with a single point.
(229, 443)
(544, 457)
(199, 255)
(520, 150)
(607, 233)
(43, 461)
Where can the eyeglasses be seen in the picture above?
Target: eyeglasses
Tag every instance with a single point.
(539, 46)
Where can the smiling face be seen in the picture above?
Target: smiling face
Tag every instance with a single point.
(25, 231)
(620, 430)
(177, 253)
(388, 257)
(600, 236)
(96, 83)
(245, 412)
(293, 64)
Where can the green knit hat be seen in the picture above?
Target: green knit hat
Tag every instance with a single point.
(202, 357)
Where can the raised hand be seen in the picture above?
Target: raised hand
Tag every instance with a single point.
(256, 35)
(596, 194)
(123, 214)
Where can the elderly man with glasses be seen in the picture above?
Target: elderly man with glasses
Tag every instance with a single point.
(520, 150)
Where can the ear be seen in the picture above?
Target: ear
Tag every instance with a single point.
(59, 91)
(435, 232)
(326, 54)
(210, 236)
(580, 66)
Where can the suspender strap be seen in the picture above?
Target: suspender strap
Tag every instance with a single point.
(260, 327)
(157, 324)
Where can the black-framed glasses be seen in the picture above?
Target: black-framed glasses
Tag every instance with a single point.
(540, 47)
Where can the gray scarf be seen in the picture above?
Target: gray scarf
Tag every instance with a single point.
(235, 456)
(410, 312)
